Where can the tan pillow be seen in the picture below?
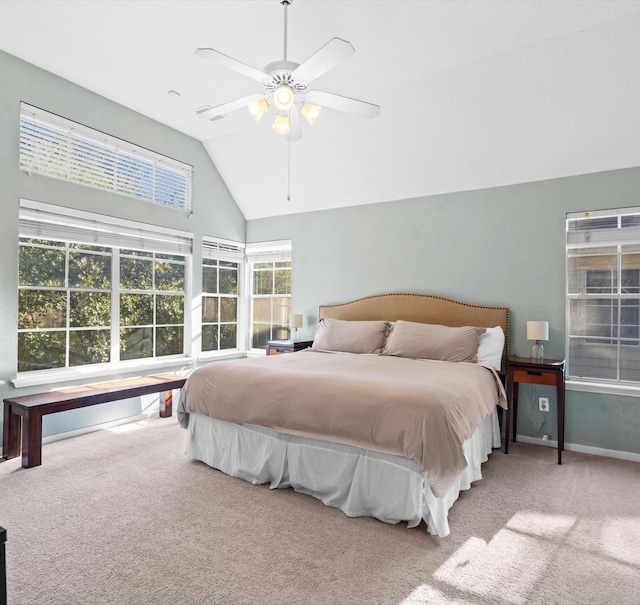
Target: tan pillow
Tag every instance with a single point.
(432, 341)
(351, 336)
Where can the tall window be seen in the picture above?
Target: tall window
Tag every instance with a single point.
(59, 148)
(270, 268)
(93, 291)
(152, 303)
(221, 265)
(603, 295)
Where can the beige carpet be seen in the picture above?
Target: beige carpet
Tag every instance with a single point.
(123, 518)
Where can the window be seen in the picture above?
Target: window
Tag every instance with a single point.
(603, 296)
(59, 148)
(221, 266)
(92, 291)
(152, 304)
(270, 269)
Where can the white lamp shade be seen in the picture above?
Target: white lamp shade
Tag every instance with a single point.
(281, 124)
(258, 108)
(537, 330)
(296, 320)
(310, 112)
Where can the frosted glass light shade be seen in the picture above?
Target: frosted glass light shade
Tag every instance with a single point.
(281, 124)
(311, 112)
(283, 97)
(258, 108)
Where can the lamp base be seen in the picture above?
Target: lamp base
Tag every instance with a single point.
(295, 337)
(537, 352)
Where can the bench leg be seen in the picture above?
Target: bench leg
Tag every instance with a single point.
(3, 567)
(10, 433)
(31, 438)
(166, 404)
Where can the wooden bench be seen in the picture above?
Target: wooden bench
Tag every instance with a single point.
(29, 409)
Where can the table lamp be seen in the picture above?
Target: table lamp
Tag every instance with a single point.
(296, 322)
(537, 330)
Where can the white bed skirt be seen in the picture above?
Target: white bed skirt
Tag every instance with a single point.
(357, 481)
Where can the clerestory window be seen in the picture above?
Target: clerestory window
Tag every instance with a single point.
(56, 147)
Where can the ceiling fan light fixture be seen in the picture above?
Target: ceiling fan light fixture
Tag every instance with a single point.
(258, 108)
(283, 97)
(311, 112)
(281, 124)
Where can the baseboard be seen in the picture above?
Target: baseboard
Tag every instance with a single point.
(98, 427)
(583, 449)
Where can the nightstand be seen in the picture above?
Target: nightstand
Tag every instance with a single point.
(277, 347)
(549, 372)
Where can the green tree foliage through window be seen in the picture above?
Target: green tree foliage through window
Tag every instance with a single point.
(70, 314)
(219, 304)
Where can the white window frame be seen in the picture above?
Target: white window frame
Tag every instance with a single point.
(49, 222)
(610, 230)
(59, 148)
(226, 250)
(261, 252)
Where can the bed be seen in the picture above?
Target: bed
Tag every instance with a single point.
(390, 414)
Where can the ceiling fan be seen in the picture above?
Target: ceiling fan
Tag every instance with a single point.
(285, 86)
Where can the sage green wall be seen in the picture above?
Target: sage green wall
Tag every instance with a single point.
(214, 210)
(502, 246)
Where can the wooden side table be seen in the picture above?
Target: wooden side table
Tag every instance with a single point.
(549, 372)
(277, 347)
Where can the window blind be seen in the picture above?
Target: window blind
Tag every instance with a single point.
(59, 148)
(46, 221)
(219, 249)
(269, 251)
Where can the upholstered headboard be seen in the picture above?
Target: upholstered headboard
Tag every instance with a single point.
(423, 308)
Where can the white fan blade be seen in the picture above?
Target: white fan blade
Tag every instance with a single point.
(295, 130)
(328, 99)
(332, 53)
(223, 60)
(211, 113)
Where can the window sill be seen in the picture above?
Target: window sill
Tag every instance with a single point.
(626, 390)
(44, 377)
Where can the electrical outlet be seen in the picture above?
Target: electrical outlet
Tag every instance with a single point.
(543, 404)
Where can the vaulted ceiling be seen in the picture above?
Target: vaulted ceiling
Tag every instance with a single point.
(473, 94)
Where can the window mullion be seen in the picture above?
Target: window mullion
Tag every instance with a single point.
(68, 313)
(115, 306)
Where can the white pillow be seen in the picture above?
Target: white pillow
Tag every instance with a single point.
(490, 347)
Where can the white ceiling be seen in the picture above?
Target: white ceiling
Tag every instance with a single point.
(473, 94)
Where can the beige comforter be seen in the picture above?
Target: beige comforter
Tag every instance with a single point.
(419, 409)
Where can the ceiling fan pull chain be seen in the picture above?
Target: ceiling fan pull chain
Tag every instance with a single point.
(289, 169)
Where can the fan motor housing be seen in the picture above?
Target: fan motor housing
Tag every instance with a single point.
(281, 72)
